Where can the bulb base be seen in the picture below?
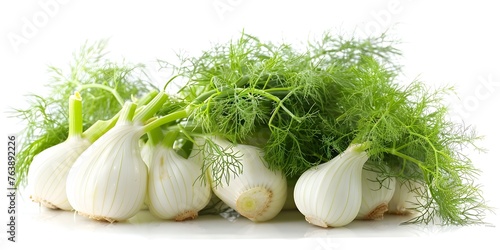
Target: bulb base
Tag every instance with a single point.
(187, 215)
(253, 202)
(43, 202)
(316, 221)
(378, 212)
(98, 217)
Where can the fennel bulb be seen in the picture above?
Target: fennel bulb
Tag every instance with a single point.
(376, 195)
(256, 193)
(49, 169)
(329, 195)
(109, 179)
(174, 191)
(406, 197)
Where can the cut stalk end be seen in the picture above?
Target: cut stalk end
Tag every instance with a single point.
(75, 115)
(254, 202)
(127, 112)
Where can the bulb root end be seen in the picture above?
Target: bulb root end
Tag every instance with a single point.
(254, 202)
(316, 221)
(378, 212)
(187, 215)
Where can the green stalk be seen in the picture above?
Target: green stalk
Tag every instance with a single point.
(279, 91)
(127, 113)
(170, 137)
(278, 101)
(147, 98)
(151, 108)
(99, 128)
(107, 88)
(265, 93)
(169, 81)
(188, 128)
(166, 119)
(242, 81)
(155, 136)
(75, 115)
(208, 94)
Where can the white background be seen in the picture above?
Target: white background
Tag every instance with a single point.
(446, 43)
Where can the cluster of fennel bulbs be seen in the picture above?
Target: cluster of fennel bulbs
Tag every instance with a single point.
(263, 127)
(111, 177)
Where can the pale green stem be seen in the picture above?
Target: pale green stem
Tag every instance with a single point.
(166, 119)
(75, 115)
(170, 137)
(155, 136)
(147, 98)
(169, 81)
(151, 108)
(278, 101)
(99, 128)
(127, 112)
(107, 88)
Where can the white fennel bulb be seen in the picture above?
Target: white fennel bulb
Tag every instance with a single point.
(147, 148)
(256, 193)
(49, 169)
(406, 197)
(329, 195)
(109, 180)
(147, 152)
(147, 157)
(376, 194)
(174, 190)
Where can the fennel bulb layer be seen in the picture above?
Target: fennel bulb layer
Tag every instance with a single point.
(49, 170)
(109, 179)
(376, 194)
(329, 195)
(256, 193)
(175, 193)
